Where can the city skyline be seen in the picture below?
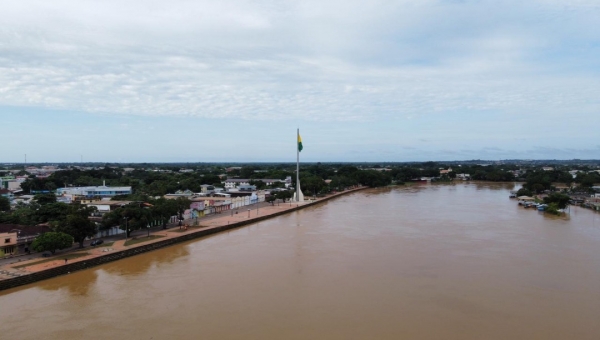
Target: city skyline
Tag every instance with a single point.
(231, 81)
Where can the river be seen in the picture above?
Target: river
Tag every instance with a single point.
(455, 261)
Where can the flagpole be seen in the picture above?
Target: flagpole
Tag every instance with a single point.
(297, 166)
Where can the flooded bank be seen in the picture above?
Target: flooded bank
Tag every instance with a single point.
(434, 261)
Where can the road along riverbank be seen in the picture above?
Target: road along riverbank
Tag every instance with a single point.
(27, 272)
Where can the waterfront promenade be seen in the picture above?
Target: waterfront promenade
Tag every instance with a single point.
(22, 272)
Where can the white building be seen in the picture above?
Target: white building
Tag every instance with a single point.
(101, 191)
(232, 183)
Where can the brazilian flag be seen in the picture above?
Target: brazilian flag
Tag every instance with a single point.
(299, 142)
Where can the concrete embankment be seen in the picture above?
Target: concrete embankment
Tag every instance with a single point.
(76, 265)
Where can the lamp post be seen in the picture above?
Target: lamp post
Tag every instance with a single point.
(126, 227)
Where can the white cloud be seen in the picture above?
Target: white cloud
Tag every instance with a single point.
(308, 60)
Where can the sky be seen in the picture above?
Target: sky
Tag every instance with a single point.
(232, 80)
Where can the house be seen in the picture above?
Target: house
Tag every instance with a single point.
(207, 189)
(547, 168)
(8, 243)
(105, 206)
(17, 239)
(464, 177)
(180, 193)
(445, 172)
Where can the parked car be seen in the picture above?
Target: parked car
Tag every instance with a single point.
(46, 254)
(96, 242)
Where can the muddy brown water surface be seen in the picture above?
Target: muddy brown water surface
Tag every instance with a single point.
(458, 261)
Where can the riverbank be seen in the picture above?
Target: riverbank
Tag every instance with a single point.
(25, 272)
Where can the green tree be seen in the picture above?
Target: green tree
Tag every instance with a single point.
(43, 199)
(52, 241)
(284, 195)
(4, 204)
(260, 185)
(312, 185)
(561, 200)
(77, 224)
(50, 212)
(524, 192)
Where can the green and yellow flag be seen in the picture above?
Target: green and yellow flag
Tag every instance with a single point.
(299, 142)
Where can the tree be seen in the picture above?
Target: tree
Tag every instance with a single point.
(78, 226)
(51, 241)
(312, 184)
(43, 199)
(284, 195)
(4, 204)
(524, 192)
(51, 212)
(561, 200)
(260, 185)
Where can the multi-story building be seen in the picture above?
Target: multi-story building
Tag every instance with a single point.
(101, 191)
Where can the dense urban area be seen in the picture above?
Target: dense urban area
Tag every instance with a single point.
(48, 207)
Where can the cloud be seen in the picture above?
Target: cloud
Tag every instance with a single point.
(406, 78)
(307, 60)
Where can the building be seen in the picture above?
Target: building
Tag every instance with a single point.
(7, 193)
(207, 189)
(8, 243)
(17, 239)
(101, 191)
(104, 207)
(445, 172)
(464, 177)
(231, 183)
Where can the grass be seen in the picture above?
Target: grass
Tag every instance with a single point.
(141, 239)
(54, 258)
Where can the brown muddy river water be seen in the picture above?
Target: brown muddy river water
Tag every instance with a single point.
(427, 262)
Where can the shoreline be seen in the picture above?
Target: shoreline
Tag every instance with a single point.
(37, 271)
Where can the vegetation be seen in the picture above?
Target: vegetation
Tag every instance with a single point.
(138, 215)
(560, 200)
(77, 224)
(524, 192)
(552, 208)
(4, 204)
(52, 241)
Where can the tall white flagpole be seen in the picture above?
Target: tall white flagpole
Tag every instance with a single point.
(297, 166)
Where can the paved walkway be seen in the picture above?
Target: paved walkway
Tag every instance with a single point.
(246, 213)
